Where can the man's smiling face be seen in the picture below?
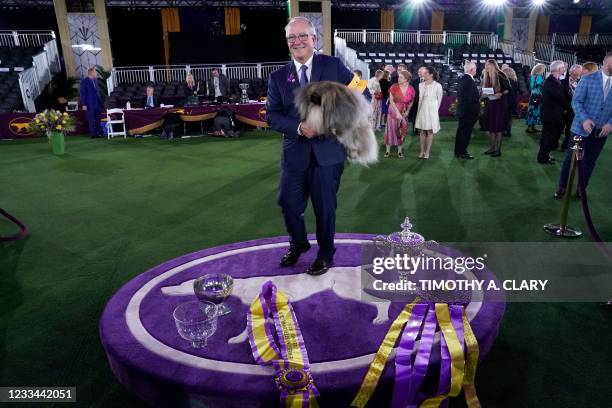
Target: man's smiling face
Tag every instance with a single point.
(300, 42)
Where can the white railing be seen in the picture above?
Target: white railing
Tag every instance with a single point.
(43, 72)
(53, 56)
(418, 37)
(44, 64)
(575, 39)
(23, 38)
(406, 37)
(378, 36)
(28, 83)
(353, 36)
(548, 52)
(433, 38)
(349, 57)
(525, 58)
(200, 72)
(456, 38)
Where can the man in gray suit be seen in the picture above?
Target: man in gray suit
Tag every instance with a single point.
(218, 85)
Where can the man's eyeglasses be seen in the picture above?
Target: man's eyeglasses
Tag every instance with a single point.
(302, 37)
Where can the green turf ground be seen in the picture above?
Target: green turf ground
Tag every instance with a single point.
(104, 213)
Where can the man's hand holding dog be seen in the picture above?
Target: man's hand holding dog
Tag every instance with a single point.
(307, 131)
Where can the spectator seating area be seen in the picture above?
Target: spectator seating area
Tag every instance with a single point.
(12, 61)
(173, 93)
(591, 52)
(18, 58)
(10, 93)
(377, 55)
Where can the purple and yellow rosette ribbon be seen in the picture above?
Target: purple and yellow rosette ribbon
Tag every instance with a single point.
(289, 357)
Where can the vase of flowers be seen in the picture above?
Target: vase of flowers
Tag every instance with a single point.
(54, 124)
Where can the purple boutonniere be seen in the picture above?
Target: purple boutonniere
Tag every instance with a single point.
(291, 78)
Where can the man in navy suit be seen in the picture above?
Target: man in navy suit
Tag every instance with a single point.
(311, 164)
(468, 110)
(91, 101)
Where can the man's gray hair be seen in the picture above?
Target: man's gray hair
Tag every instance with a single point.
(468, 66)
(556, 65)
(608, 55)
(299, 19)
(575, 67)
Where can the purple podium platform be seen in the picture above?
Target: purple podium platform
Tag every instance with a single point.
(341, 332)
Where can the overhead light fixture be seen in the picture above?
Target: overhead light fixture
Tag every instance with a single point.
(87, 47)
(494, 3)
(539, 2)
(576, 1)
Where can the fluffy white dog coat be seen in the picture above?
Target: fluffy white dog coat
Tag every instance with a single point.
(337, 111)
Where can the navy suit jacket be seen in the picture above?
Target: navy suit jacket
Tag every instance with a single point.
(469, 99)
(283, 116)
(90, 94)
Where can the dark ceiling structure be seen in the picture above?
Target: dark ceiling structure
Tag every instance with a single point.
(551, 6)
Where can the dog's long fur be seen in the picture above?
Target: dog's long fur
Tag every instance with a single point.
(337, 111)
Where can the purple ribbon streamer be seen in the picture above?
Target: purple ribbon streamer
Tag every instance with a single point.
(421, 361)
(403, 367)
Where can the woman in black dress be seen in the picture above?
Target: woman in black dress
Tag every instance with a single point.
(496, 114)
(385, 84)
(512, 95)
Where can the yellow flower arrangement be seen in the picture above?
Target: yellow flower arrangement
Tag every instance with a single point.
(50, 121)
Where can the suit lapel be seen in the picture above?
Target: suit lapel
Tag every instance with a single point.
(315, 75)
(292, 82)
(599, 87)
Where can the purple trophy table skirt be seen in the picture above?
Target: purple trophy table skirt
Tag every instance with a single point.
(149, 358)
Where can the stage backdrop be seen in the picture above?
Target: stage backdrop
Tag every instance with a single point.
(520, 33)
(317, 20)
(85, 41)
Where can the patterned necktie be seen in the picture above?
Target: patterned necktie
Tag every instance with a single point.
(303, 77)
(607, 87)
(150, 101)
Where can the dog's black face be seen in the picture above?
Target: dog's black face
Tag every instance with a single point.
(315, 98)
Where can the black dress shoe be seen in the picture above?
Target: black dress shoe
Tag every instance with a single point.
(496, 154)
(293, 254)
(466, 156)
(319, 267)
(488, 152)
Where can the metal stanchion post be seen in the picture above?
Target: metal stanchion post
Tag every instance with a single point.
(562, 229)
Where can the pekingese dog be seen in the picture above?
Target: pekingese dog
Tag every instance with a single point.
(337, 111)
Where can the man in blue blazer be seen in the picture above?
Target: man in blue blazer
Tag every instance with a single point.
(91, 101)
(592, 105)
(311, 164)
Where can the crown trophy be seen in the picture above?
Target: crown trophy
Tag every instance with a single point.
(412, 244)
(403, 242)
(244, 98)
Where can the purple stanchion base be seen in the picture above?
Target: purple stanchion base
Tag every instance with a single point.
(151, 360)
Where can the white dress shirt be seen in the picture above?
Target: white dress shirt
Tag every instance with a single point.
(308, 63)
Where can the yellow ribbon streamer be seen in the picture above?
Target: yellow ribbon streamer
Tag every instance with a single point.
(469, 387)
(292, 346)
(258, 324)
(368, 386)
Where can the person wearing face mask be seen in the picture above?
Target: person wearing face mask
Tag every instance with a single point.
(554, 105)
(311, 164)
(592, 105)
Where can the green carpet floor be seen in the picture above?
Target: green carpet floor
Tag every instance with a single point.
(104, 213)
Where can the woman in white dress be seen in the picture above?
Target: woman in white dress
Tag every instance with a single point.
(375, 91)
(428, 119)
